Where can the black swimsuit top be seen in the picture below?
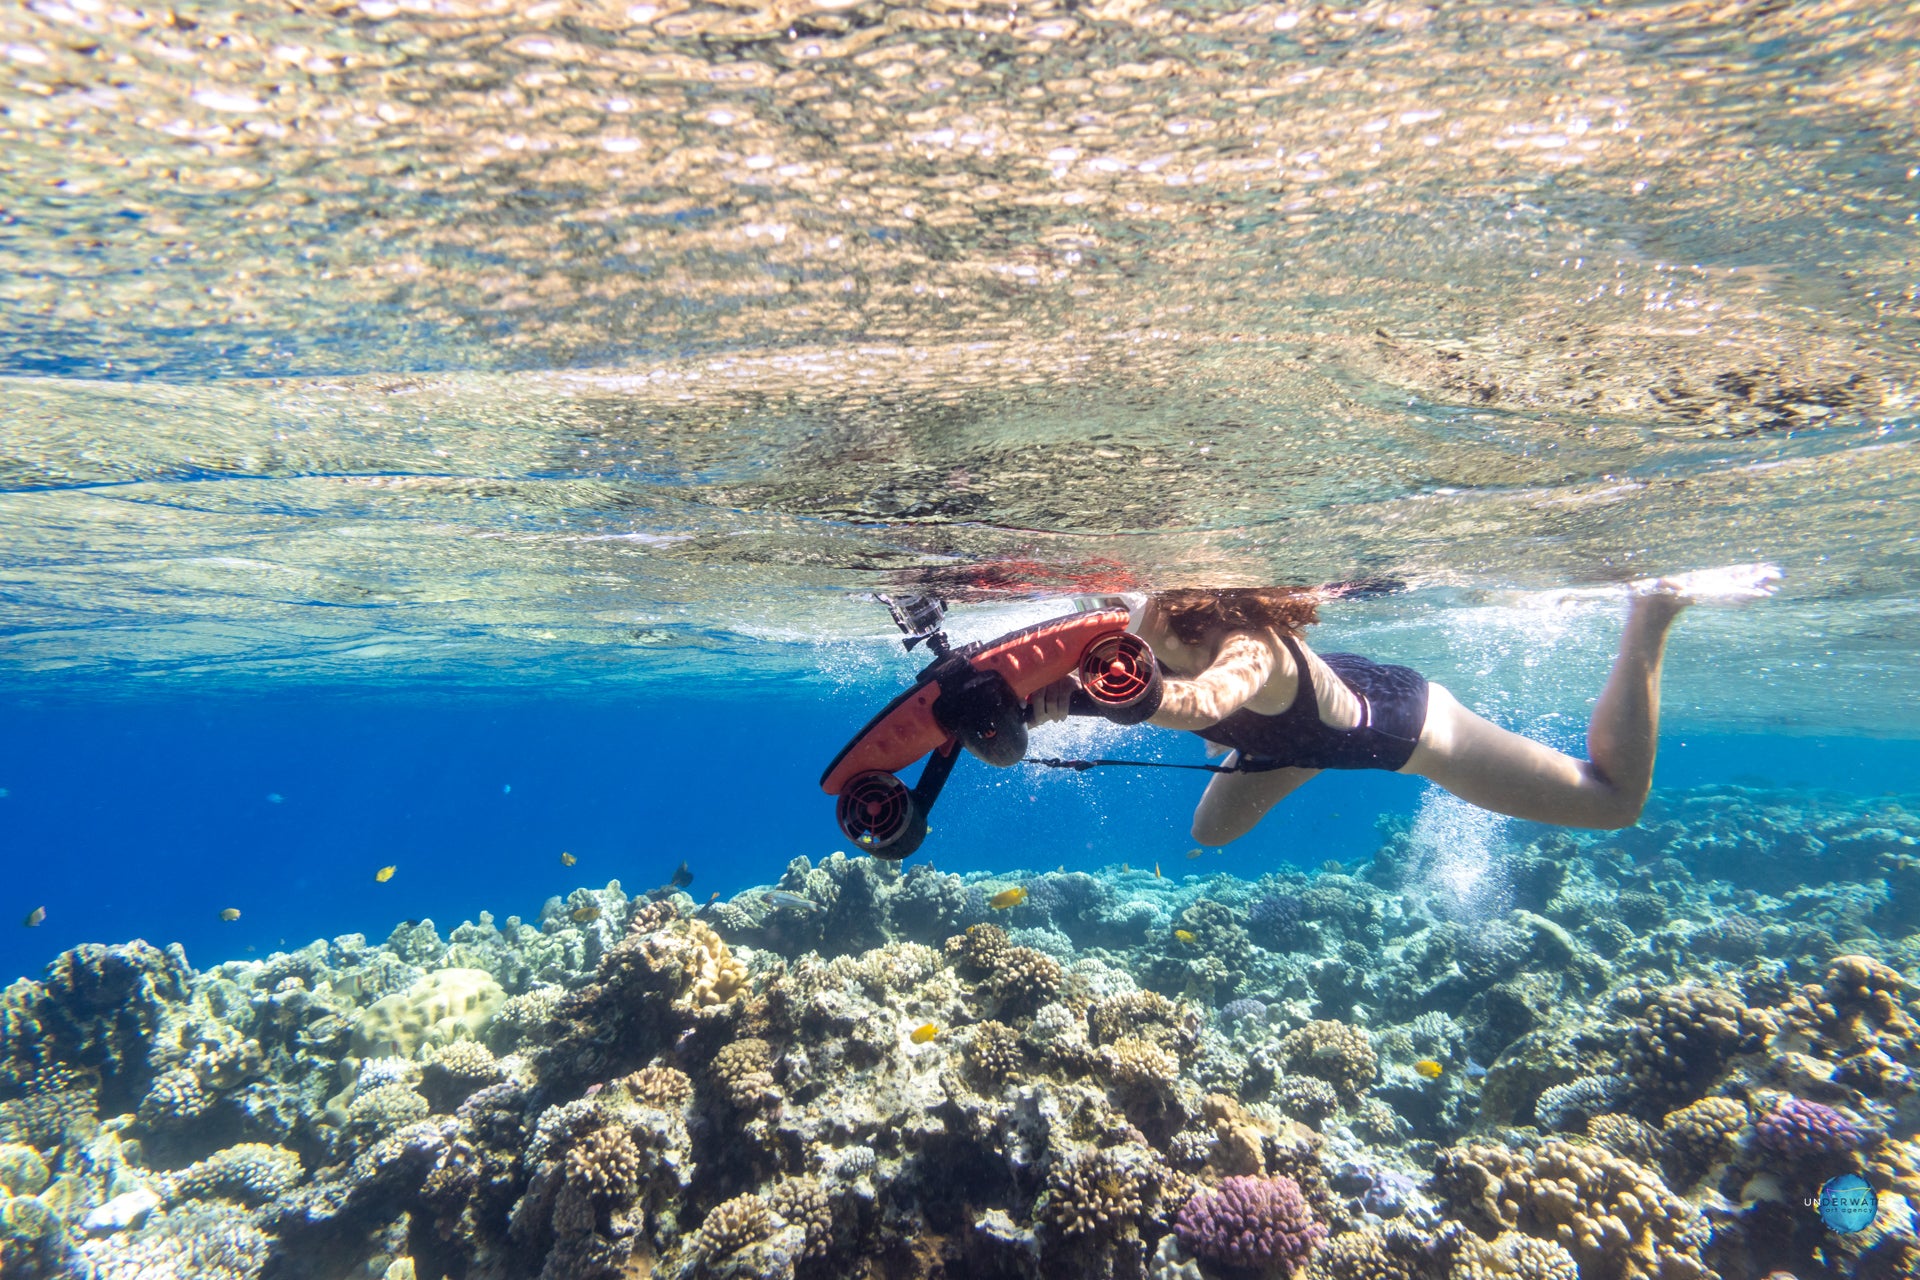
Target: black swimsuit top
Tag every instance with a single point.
(1393, 710)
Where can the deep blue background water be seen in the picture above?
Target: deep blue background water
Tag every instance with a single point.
(145, 818)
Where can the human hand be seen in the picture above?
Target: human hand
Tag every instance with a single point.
(1050, 704)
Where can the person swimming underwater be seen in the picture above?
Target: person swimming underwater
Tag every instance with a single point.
(1233, 660)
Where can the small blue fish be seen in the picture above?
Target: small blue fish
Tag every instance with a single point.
(1474, 1070)
(781, 898)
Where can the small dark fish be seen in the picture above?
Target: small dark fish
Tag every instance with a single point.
(682, 878)
(584, 915)
(35, 916)
(411, 924)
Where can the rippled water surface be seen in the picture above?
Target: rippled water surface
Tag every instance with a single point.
(505, 342)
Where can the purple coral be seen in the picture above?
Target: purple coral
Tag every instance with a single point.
(1798, 1127)
(1250, 1222)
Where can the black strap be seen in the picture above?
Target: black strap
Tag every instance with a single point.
(1257, 764)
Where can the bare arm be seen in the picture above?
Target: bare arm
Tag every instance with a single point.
(1239, 671)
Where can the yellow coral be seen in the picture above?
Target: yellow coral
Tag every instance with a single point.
(715, 977)
(446, 1005)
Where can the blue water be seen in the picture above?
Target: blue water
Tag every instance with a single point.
(146, 818)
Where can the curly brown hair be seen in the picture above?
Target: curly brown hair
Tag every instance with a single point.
(1195, 614)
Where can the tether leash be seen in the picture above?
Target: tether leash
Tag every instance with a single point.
(1257, 764)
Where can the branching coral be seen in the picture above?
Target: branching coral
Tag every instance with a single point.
(744, 1071)
(1259, 1223)
(1335, 1052)
(732, 1225)
(658, 1086)
(1373, 1253)
(1625, 1136)
(1615, 1217)
(1308, 1098)
(804, 1203)
(1568, 1106)
(1144, 1015)
(606, 1162)
(1798, 1128)
(1102, 1192)
(251, 1172)
(1140, 1066)
(993, 1050)
(1682, 1038)
(1701, 1135)
(1512, 1256)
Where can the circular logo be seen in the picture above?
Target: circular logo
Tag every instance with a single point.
(1848, 1204)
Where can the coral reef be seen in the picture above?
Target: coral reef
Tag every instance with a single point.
(1637, 1066)
(1260, 1223)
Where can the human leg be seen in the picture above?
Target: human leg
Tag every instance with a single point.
(1496, 769)
(1235, 802)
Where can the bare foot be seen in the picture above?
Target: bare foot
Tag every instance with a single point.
(1728, 584)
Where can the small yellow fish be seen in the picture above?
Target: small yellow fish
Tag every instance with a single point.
(1185, 935)
(1156, 871)
(35, 916)
(714, 896)
(385, 874)
(567, 859)
(1194, 853)
(1428, 1069)
(1007, 898)
(924, 1033)
(584, 915)
(230, 914)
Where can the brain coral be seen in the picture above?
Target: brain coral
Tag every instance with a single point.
(1335, 1052)
(446, 1005)
(1616, 1218)
(1261, 1223)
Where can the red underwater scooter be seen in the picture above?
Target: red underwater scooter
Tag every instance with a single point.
(975, 697)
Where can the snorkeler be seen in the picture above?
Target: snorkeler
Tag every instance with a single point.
(1232, 662)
